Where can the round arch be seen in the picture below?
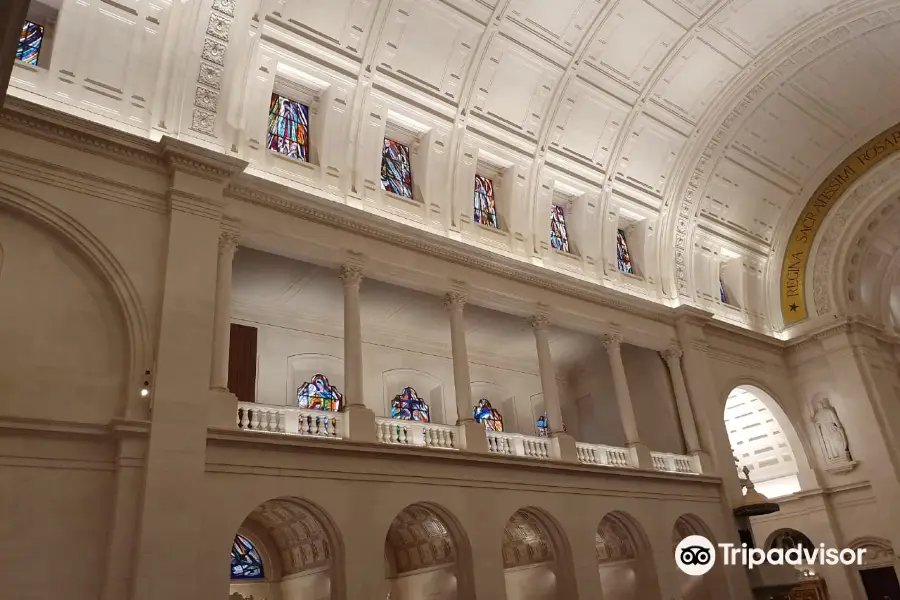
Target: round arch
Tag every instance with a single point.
(298, 539)
(798, 446)
(426, 547)
(706, 586)
(787, 538)
(104, 263)
(625, 559)
(537, 557)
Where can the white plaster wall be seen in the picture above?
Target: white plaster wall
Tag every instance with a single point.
(534, 582)
(653, 399)
(425, 584)
(619, 581)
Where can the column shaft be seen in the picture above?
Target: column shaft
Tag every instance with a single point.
(462, 382)
(672, 357)
(222, 332)
(351, 275)
(540, 325)
(612, 343)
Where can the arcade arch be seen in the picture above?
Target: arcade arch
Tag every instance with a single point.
(624, 560)
(704, 587)
(533, 554)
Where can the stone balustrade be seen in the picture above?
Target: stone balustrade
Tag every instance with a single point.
(517, 444)
(289, 420)
(675, 463)
(599, 454)
(416, 433)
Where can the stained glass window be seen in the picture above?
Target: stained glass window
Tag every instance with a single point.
(623, 257)
(490, 416)
(408, 406)
(485, 210)
(396, 170)
(30, 43)
(288, 128)
(318, 394)
(543, 427)
(722, 293)
(559, 237)
(245, 560)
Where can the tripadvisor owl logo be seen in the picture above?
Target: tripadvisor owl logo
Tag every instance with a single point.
(695, 555)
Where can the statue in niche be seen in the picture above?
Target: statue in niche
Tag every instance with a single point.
(830, 432)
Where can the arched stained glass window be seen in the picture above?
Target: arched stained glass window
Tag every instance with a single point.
(318, 394)
(559, 236)
(288, 128)
(789, 539)
(30, 39)
(396, 169)
(623, 257)
(722, 293)
(543, 426)
(245, 560)
(488, 415)
(485, 209)
(408, 406)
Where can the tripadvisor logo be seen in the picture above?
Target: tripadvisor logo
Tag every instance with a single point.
(695, 555)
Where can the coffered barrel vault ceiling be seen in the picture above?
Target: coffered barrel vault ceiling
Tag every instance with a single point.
(718, 116)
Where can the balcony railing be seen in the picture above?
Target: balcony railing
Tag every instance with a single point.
(290, 420)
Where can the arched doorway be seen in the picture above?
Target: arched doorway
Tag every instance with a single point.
(763, 440)
(422, 555)
(531, 556)
(624, 560)
(703, 587)
(285, 549)
(877, 576)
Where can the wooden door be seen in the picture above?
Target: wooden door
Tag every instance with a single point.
(880, 583)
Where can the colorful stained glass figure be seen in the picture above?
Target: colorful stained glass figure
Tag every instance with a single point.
(288, 128)
(487, 414)
(318, 394)
(396, 169)
(245, 560)
(30, 40)
(559, 237)
(408, 406)
(485, 209)
(722, 295)
(543, 426)
(623, 257)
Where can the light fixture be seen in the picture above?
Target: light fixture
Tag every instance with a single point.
(145, 391)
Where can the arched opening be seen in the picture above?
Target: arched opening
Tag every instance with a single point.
(530, 557)
(422, 555)
(702, 587)
(788, 539)
(285, 549)
(624, 560)
(764, 441)
(877, 577)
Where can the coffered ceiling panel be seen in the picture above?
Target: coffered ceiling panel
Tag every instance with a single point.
(588, 123)
(632, 41)
(694, 79)
(428, 45)
(649, 154)
(560, 22)
(343, 23)
(754, 24)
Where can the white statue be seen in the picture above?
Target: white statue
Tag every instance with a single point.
(830, 432)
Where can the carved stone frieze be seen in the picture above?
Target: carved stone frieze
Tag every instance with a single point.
(215, 45)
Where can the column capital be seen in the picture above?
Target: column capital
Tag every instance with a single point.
(672, 354)
(228, 241)
(455, 300)
(351, 275)
(539, 322)
(612, 341)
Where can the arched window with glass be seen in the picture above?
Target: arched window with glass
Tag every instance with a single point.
(246, 562)
(623, 257)
(543, 426)
(487, 415)
(318, 394)
(407, 406)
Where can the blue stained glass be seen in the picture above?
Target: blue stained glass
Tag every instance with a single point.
(245, 560)
(30, 40)
(408, 406)
(485, 209)
(623, 257)
(559, 237)
(543, 426)
(318, 394)
(396, 169)
(722, 293)
(488, 415)
(288, 128)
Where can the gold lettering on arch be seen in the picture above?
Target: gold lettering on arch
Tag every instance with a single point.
(796, 256)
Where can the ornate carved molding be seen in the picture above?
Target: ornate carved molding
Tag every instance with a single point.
(189, 158)
(212, 66)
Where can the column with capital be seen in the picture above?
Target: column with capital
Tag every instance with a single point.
(360, 420)
(223, 407)
(472, 434)
(672, 356)
(639, 452)
(563, 445)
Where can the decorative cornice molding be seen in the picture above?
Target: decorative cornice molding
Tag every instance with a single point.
(194, 204)
(185, 157)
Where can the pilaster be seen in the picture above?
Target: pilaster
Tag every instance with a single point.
(360, 420)
(562, 445)
(12, 16)
(472, 433)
